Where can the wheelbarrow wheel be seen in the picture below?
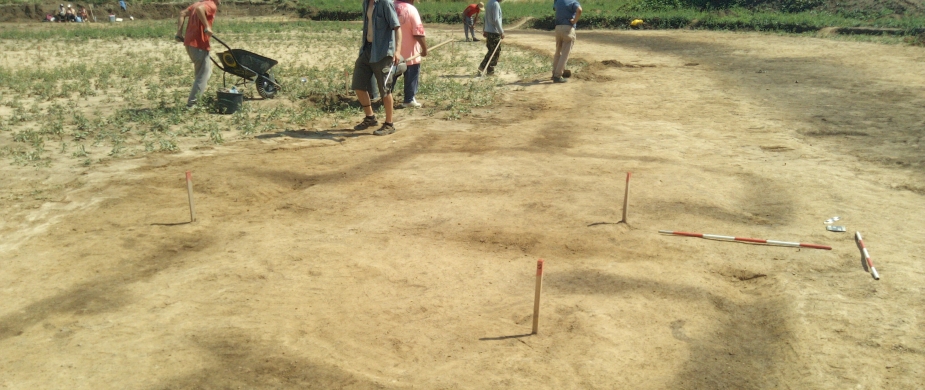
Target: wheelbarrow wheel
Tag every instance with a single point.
(266, 87)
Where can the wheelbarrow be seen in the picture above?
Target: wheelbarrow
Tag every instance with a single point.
(250, 67)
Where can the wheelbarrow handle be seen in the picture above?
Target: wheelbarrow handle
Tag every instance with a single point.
(222, 42)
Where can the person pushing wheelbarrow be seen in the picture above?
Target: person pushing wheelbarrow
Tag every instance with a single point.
(196, 40)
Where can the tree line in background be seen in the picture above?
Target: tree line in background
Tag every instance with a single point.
(792, 16)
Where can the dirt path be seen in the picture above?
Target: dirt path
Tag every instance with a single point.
(407, 261)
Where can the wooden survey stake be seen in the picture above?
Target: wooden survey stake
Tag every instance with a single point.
(189, 190)
(626, 195)
(536, 299)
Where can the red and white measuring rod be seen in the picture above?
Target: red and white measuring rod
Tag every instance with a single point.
(870, 263)
(755, 240)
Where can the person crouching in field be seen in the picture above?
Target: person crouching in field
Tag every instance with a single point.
(493, 33)
(470, 18)
(378, 54)
(567, 14)
(413, 44)
(196, 40)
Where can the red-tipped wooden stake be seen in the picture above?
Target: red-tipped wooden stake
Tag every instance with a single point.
(189, 190)
(536, 298)
(626, 195)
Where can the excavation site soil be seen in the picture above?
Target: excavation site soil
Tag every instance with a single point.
(323, 258)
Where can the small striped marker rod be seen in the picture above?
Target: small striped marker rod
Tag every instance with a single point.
(870, 263)
(743, 239)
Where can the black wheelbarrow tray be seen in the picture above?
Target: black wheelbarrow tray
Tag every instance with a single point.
(249, 67)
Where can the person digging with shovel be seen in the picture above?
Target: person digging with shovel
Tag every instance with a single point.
(470, 18)
(196, 40)
(493, 33)
(413, 47)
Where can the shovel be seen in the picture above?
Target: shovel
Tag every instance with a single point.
(498, 46)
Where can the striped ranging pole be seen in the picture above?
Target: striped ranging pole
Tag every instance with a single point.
(870, 263)
(744, 239)
(536, 298)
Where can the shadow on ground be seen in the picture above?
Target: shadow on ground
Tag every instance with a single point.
(750, 337)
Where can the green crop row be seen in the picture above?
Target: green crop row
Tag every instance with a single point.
(759, 15)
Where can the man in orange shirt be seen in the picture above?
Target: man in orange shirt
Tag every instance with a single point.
(196, 40)
(470, 18)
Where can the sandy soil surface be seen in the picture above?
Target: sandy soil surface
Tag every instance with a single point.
(408, 261)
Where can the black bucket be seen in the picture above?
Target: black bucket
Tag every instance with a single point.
(229, 102)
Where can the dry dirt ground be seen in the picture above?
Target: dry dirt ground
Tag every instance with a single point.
(408, 261)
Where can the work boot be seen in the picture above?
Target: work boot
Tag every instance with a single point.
(386, 129)
(367, 122)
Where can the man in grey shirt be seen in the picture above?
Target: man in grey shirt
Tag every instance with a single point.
(378, 54)
(493, 33)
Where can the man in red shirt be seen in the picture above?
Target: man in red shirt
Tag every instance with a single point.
(470, 18)
(196, 40)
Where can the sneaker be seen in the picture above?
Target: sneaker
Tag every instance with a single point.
(414, 104)
(367, 122)
(475, 39)
(559, 80)
(386, 129)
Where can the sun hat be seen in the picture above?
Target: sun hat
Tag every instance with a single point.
(481, 5)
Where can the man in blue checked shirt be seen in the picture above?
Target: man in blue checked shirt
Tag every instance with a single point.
(378, 54)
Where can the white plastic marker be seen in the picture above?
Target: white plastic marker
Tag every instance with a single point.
(536, 299)
(387, 82)
(870, 263)
(626, 195)
(743, 239)
(189, 190)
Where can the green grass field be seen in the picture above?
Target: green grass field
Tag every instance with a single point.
(71, 101)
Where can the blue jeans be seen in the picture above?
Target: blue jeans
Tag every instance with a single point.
(468, 26)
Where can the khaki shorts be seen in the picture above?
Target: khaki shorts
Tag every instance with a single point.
(363, 71)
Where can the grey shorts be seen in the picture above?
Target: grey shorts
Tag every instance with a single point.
(363, 71)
